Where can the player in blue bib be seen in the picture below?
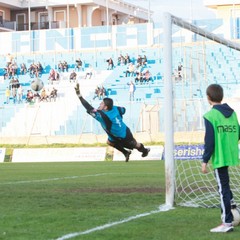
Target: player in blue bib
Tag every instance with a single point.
(111, 120)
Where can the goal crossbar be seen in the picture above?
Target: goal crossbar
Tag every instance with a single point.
(204, 33)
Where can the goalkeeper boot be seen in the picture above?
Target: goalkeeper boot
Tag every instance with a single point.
(145, 152)
(127, 155)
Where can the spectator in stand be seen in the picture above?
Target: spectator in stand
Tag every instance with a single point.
(73, 76)
(32, 70)
(10, 70)
(147, 76)
(130, 70)
(39, 69)
(7, 95)
(20, 94)
(43, 95)
(35, 69)
(102, 93)
(127, 59)
(14, 67)
(60, 67)
(139, 61)
(65, 66)
(89, 72)
(23, 69)
(110, 64)
(78, 64)
(14, 83)
(29, 97)
(132, 89)
(180, 69)
(139, 78)
(53, 76)
(121, 60)
(14, 94)
(6, 73)
(96, 93)
(144, 60)
(53, 94)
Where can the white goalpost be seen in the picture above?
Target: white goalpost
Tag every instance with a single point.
(207, 59)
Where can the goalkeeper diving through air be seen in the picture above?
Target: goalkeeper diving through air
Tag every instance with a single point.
(110, 118)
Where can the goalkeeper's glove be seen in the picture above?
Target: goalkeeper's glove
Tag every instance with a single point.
(77, 90)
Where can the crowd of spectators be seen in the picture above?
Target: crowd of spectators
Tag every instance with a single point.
(135, 68)
(139, 70)
(100, 93)
(48, 94)
(35, 69)
(63, 66)
(16, 93)
(10, 68)
(123, 60)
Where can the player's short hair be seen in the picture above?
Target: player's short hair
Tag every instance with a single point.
(108, 102)
(215, 93)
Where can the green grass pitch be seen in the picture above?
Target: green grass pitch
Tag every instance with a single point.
(96, 201)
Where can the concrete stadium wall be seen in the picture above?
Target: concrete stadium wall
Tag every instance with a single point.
(179, 137)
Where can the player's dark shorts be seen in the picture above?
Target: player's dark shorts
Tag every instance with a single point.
(128, 142)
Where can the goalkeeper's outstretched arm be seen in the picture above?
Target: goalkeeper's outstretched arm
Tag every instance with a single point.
(88, 107)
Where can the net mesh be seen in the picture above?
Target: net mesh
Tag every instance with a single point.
(200, 58)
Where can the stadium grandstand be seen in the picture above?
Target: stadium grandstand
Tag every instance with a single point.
(81, 37)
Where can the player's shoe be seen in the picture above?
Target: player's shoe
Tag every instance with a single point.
(145, 153)
(127, 155)
(223, 228)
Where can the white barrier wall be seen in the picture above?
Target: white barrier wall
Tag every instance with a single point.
(88, 154)
(59, 154)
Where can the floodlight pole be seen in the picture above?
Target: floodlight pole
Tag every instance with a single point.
(168, 113)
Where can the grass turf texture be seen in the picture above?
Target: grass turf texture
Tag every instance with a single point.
(48, 200)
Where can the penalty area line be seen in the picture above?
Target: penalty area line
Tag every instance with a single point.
(54, 179)
(108, 225)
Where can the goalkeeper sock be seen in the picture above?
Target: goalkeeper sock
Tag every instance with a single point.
(141, 148)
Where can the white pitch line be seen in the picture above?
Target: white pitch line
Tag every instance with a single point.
(108, 225)
(54, 179)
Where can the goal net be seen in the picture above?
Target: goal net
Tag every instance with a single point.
(194, 58)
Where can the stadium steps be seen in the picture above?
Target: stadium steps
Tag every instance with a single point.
(42, 118)
(45, 118)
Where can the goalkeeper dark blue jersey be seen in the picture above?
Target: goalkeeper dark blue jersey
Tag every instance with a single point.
(111, 121)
